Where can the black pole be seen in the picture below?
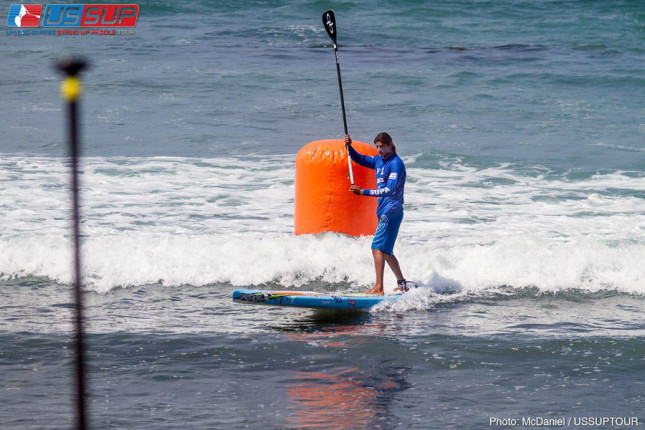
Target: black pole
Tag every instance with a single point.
(340, 86)
(329, 21)
(71, 90)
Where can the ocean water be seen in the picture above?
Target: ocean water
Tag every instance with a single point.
(522, 128)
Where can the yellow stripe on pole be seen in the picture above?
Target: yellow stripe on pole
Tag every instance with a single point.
(71, 88)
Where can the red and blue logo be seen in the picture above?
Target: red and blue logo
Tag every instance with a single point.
(24, 15)
(73, 15)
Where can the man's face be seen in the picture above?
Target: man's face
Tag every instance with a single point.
(383, 150)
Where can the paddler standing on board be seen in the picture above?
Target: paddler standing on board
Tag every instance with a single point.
(390, 182)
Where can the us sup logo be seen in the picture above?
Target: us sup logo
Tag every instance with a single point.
(72, 19)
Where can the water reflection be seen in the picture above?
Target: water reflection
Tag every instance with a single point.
(342, 398)
(357, 389)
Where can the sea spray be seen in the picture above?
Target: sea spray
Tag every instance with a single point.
(177, 221)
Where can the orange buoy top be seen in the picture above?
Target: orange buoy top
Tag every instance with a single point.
(323, 201)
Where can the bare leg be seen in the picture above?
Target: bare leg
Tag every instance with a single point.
(394, 265)
(379, 266)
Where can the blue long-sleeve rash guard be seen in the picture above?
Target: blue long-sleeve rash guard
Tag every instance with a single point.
(390, 180)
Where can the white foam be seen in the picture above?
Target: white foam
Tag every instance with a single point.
(179, 221)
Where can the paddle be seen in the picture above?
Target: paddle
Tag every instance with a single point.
(329, 21)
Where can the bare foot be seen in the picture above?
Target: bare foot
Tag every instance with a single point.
(375, 290)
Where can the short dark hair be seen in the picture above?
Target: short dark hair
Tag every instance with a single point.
(386, 139)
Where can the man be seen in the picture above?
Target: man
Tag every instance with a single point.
(390, 182)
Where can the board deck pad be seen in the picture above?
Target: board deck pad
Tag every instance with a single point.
(311, 299)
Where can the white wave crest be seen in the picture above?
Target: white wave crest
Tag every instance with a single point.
(177, 221)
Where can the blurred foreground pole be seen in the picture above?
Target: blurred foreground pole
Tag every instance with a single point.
(71, 90)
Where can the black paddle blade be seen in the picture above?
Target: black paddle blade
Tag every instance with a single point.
(329, 21)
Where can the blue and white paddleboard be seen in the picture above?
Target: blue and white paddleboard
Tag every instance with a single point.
(311, 299)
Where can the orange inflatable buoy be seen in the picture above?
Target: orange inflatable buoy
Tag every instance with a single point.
(323, 200)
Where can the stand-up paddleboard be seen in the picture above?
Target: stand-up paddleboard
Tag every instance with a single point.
(311, 299)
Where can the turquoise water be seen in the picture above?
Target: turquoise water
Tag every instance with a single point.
(521, 125)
